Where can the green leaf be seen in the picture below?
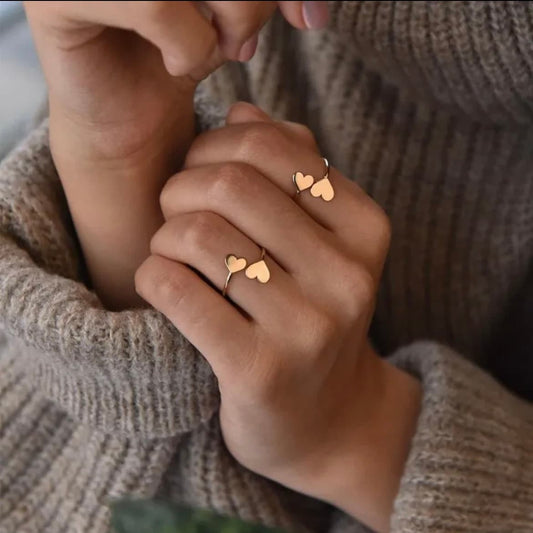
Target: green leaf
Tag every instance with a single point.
(143, 516)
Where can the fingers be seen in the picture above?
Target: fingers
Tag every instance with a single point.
(252, 137)
(239, 23)
(207, 320)
(321, 269)
(305, 15)
(244, 112)
(351, 215)
(203, 240)
(254, 144)
(186, 39)
(190, 43)
(256, 207)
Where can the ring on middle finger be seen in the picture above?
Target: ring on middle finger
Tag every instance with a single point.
(321, 188)
(258, 270)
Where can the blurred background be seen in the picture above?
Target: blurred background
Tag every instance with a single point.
(22, 87)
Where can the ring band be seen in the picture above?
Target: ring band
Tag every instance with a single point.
(321, 188)
(258, 270)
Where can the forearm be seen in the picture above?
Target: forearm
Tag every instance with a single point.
(114, 202)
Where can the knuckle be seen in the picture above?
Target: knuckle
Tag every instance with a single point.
(355, 287)
(170, 292)
(245, 22)
(157, 15)
(201, 228)
(158, 283)
(305, 130)
(358, 291)
(382, 224)
(193, 157)
(229, 181)
(244, 111)
(157, 242)
(308, 135)
(304, 133)
(166, 195)
(321, 329)
(259, 138)
(142, 278)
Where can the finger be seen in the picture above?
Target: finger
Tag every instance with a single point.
(319, 267)
(187, 41)
(244, 112)
(238, 22)
(203, 240)
(248, 48)
(255, 206)
(185, 38)
(207, 320)
(305, 15)
(351, 215)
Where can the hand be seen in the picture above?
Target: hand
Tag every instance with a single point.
(122, 74)
(302, 392)
(121, 78)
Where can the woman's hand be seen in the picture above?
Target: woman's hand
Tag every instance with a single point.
(121, 78)
(122, 72)
(304, 399)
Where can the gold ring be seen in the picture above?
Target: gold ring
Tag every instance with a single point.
(321, 188)
(258, 270)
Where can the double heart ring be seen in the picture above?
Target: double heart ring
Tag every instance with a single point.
(258, 270)
(321, 188)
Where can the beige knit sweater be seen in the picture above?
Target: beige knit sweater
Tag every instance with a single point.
(429, 106)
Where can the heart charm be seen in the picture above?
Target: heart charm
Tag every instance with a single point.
(235, 264)
(323, 188)
(258, 271)
(302, 181)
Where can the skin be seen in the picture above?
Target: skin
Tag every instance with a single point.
(311, 405)
(121, 78)
(305, 400)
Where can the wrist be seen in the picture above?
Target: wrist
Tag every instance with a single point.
(363, 476)
(81, 147)
(112, 177)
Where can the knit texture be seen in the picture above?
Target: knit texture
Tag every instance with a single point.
(429, 107)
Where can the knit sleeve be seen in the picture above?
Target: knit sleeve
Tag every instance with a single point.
(470, 467)
(127, 372)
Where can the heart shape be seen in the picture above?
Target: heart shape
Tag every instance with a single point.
(323, 188)
(302, 181)
(258, 271)
(235, 264)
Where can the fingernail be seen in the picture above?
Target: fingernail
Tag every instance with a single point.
(316, 14)
(248, 48)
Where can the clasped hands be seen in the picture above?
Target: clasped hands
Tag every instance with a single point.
(305, 400)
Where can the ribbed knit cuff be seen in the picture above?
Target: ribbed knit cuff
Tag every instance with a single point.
(130, 372)
(471, 463)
